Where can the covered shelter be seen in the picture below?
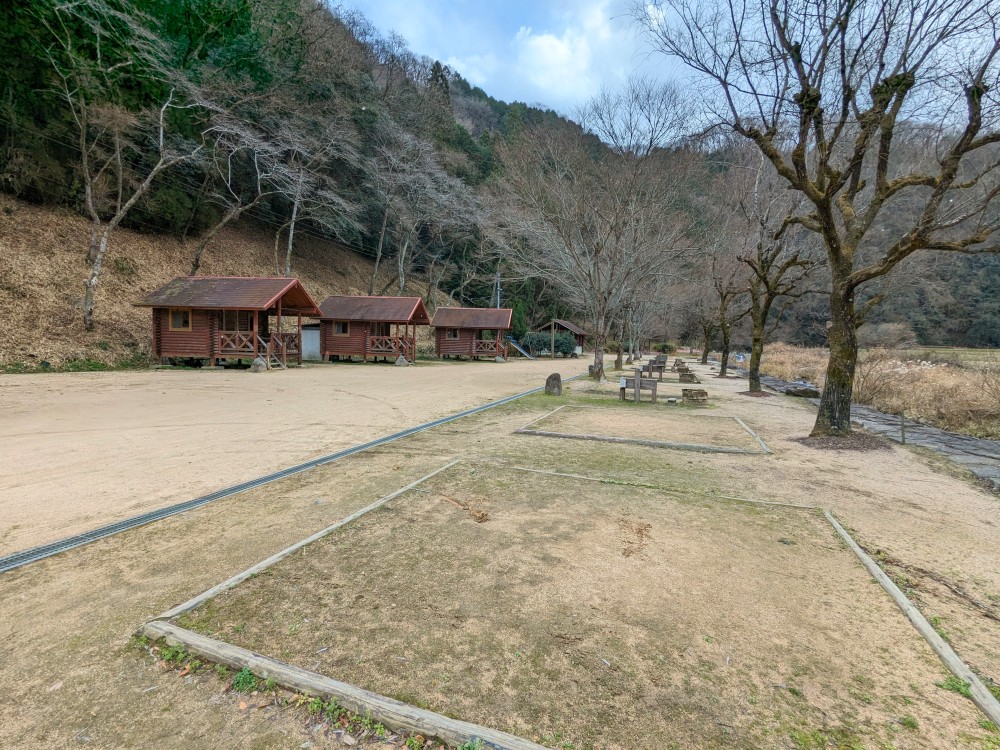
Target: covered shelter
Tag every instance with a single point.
(471, 331)
(558, 325)
(230, 317)
(370, 327)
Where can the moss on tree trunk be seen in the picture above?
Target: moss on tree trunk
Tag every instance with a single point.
(834, 416)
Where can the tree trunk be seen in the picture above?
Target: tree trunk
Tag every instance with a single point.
(834, 416)
(618, 359)
(95, 232)
(401, 264)
(726, 330)
(291, 236)
(378, 252)
(90, 285)
(209, 236)
(756, 353)
(599, 358)
(600, 339)
(706, 346)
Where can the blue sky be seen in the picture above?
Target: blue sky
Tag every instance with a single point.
(554, 52)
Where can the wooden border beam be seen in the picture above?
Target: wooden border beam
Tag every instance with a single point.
(399, 716)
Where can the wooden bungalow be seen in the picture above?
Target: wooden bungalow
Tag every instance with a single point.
(564, 326)
(471, 331)
(370, 327)
(230, 317)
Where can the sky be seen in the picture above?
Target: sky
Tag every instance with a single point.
(557, 53)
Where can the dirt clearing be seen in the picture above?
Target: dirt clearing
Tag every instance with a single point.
(84, 449)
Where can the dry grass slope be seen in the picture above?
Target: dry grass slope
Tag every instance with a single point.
(42, 270)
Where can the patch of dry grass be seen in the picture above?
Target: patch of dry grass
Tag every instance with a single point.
(952, 389)
(582, 614)
(792, 363)
(960, 399)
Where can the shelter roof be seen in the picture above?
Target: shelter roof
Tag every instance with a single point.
(233, 293)
(571, 327)
(379, 309)
(472, 317)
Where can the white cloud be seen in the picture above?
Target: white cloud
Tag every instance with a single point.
(477, 69)
(591, 47)
(559, 65)
(555, 52)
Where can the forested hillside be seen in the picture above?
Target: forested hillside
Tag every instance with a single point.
(297, 123)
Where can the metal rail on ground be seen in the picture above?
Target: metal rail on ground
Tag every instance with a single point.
(34, 554)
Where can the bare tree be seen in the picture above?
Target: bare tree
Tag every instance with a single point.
(595, 215)
(729, 286)
(826, 90)
(110, 137)
(779, 257)
(240, 157)
(313, 153)
(696, 309)
(420, 198)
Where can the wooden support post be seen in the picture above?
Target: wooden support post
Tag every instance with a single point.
(552, 340)
(256, 334)
(277, 326)
(300, 338)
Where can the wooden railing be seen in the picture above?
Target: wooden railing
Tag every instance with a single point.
(493, 347)
(391, 346)
(281, 345)
(235, 342)
(287, 343)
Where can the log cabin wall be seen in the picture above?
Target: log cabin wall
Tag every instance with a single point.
(465, 344)
(198, 342)
(351, 344)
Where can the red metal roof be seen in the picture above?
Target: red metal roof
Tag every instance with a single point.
(472, 317)
(378, 309)
(233, 293)
(571, 327)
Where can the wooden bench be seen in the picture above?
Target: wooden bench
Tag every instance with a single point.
(636, 384)
(694, 395)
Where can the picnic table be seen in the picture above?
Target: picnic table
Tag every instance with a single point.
(649, 369)
(636, 384)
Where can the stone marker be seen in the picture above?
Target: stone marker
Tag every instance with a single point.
(500, 360)
(401, 361)
(258, 365)
(553, 385)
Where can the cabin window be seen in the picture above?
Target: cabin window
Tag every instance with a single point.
(452, 333)
(235, 320)
(341, 328)
(179, 319)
